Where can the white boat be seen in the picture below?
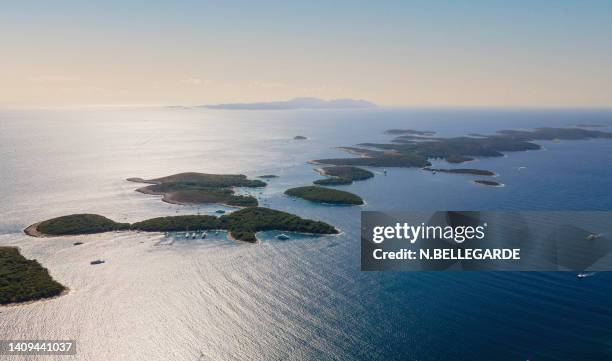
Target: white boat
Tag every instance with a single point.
(282, 237)
(585, 274)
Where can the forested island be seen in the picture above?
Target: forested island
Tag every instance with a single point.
(75, 224)
(488, 183)
(241, 225)
(338, 175)
(406, 151)
(333, 181)
(325, 195)
(461, 171)
(23, 280)
(413, 148)
(197, 188)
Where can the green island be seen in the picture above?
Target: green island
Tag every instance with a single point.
(488, 183)
(325, 195)
(333, 181)
(23, 280)
(340, 175)
(300, 137)
(268, 176)
(405, 151)
(241, 225)
(473, 171)
(75, 224)
(197, 188)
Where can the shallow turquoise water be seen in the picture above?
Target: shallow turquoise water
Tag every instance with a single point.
(304, 298)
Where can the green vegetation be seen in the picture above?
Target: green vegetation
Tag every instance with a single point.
(324, 195)
(195, 188)
(268, 176)
(488, 182)
(347, 172)
(206, 180)
(408, 160)
(178, 223)
(333, 181)
(461, 171)
(340, 175)
(209, 195)
(79, 224)
(415, 148)
(242, 224)
(24, 280)
(455, 158)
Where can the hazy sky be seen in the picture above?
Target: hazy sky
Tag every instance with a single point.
(422, 53)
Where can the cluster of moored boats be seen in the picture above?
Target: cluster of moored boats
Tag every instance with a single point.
(203, 234)
(186, 235)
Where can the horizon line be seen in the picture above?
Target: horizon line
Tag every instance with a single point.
(377, 107)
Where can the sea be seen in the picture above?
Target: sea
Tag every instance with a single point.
(304, 298)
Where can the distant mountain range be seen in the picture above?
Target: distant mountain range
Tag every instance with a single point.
(297, 103)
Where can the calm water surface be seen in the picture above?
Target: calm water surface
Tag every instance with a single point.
(299, 299)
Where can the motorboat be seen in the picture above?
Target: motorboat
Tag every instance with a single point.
(585, 274)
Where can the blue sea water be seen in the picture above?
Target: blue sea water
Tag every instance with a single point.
(304, 298)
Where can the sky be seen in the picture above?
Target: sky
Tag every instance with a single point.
(399, 53)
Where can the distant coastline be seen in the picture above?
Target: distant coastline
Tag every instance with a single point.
(297, 103)
(415, 148)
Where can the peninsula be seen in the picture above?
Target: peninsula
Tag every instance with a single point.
(473, 171)
(325, 195)
(197, 188)
(23, 280)
(340, 175)
(241, 225)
